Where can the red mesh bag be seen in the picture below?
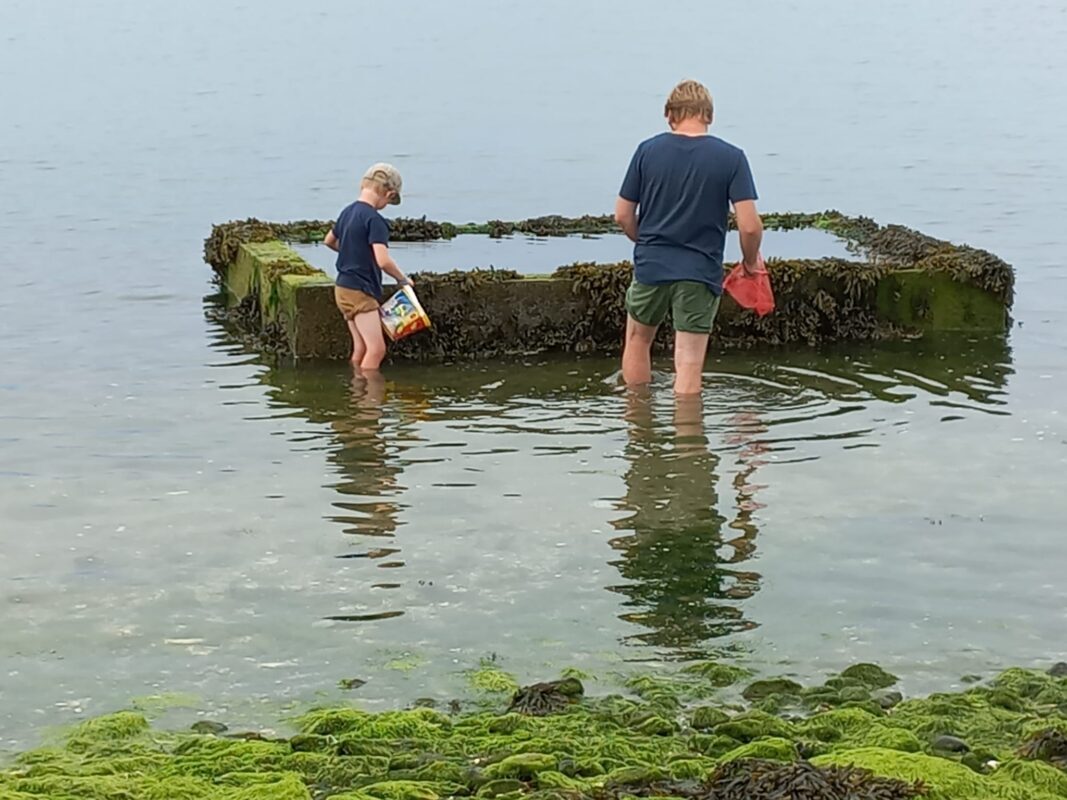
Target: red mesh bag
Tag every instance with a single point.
(751, 290)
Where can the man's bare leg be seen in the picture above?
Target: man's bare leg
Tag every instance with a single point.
(637, 352)
(369, 326)
(689, 352)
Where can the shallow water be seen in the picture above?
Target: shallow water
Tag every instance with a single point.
(180, 516)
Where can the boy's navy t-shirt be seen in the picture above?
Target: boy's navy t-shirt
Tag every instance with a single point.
(358, 227)
(683, 186)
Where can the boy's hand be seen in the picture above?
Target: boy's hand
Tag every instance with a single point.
(405, 281)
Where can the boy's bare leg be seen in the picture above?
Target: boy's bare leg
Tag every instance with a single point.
(369, 326)
(689, 351)
(637, 352)
(358, 348)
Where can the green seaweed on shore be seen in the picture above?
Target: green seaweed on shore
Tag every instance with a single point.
(1001, 740)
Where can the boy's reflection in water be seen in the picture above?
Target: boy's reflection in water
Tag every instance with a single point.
(367, 460)
(683, 586)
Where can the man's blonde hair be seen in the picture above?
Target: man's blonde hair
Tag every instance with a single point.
(688, 99)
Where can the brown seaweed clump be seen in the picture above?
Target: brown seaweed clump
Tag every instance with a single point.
(1048, 745)
(553, 225)
(758, 779)
(542, 699)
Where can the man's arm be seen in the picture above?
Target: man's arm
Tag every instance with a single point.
(332, 242)
(750, 230)
(388, 266)
(626, 217)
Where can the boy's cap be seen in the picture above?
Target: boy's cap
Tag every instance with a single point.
(388, 176)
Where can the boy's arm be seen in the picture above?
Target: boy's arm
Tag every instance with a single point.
(388, 266)
(332, 242)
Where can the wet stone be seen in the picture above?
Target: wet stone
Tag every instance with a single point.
(207, 726)
(950, 744)
(889, 699)
(1058, 670)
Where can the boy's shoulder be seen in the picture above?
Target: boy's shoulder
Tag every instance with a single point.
(359, 211)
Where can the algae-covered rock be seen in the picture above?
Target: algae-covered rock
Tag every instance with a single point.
(943, 779)
(656, 726)
(1058, 670)
(717, 675)
(713, 746)
(109, 729)
(871, 676)
(891, 739)
(1043, 777)
(402, 790)
(759, 690)
(634, 776)
(550, 779)
(821, 697)
(705, 718)
(1028, 683)
(208, 727)
(500, 787)
(313, 743)
(772, 749)
(523, 766)
(506, 723)
(755, 725)
(855, 694)
(488, 678)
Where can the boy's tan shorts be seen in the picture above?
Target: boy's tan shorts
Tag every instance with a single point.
(351, 302)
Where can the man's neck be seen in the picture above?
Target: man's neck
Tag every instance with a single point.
(690, 127)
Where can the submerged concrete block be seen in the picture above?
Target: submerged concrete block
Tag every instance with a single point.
(912, 284)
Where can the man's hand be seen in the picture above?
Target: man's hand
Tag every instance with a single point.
(751, 268)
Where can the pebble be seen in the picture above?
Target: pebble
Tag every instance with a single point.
(950, 744)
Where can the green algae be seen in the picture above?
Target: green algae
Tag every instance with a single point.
(870, 676)
(760, 690)
(716, 674)
(488, 678)
(770, 749)
(608, 744)
(944, 779)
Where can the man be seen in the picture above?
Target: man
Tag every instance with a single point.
(683, 181)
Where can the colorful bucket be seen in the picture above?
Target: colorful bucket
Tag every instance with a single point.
(402, 314)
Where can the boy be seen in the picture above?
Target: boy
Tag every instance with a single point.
(684, 182)
(360, 238)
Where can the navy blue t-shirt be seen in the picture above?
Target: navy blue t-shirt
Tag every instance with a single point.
(358, 227)
(683, 186)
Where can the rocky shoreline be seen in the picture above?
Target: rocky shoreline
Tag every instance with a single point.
(681, 735)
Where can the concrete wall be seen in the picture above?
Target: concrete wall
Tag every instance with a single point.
(294, 300)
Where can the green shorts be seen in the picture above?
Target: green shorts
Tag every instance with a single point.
(693, 305)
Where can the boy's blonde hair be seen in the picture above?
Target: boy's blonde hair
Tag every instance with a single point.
(688, 99)
(378, 186)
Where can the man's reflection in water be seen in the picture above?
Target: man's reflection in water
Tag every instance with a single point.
(683, 588)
